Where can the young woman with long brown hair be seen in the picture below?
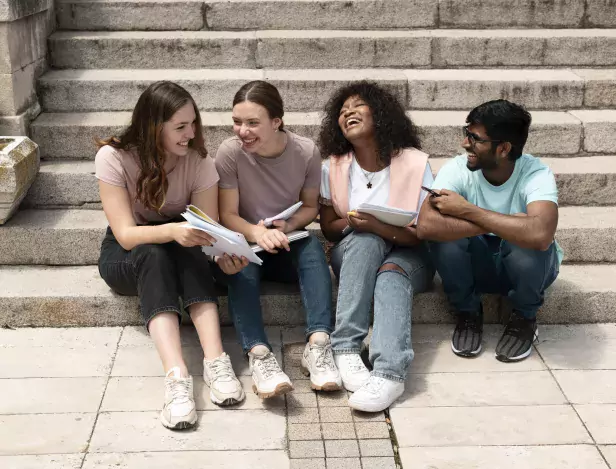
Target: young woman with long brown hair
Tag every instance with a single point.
(147, 176)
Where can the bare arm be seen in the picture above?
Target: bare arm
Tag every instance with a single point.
(229, 202)
(117, 207)
(331, 224)
(434, 226)
(534, 231)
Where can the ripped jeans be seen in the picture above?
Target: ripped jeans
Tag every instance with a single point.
(356, 261)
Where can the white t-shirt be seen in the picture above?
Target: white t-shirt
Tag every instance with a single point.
(358, 190)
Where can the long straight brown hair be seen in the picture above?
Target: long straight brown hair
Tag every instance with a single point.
(156, 105)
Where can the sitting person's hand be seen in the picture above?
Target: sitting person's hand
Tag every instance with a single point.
(187, 236)
(231, 264)
(272, 239)
(364, 222)
(450, 203)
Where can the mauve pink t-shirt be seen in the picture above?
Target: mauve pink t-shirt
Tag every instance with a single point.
(192, 174)
(267, 186)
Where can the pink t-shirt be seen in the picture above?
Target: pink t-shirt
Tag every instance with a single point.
(267, 186)
(191, 175)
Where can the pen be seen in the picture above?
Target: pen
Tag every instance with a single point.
(432, 193)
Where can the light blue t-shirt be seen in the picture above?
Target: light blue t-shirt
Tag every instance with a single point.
(531, 181)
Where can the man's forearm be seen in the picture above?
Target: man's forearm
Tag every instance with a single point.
(434, 226)
(400, 236)
(526, 232)
(236, 223)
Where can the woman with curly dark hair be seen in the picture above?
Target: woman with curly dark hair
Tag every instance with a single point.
(374, 158)
(147, 176)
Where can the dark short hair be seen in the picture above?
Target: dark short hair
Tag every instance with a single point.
(393, 129)
(262, 93)
(504, 121)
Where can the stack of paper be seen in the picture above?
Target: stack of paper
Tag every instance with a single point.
(293, 236)
(390, 215)
(227, 241)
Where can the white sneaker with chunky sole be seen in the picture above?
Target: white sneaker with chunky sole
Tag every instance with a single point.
(352, 370)
(179, 411)
(318, 363)
(225, 388)
(267, 377)
(376, 395)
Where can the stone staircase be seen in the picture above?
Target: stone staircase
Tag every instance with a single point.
(441, 57)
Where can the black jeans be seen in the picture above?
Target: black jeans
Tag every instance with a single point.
(159, 274)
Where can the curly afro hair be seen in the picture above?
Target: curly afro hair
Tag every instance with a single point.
(393, 129)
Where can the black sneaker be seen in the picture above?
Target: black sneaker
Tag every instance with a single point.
(466, 339)
(516, 342)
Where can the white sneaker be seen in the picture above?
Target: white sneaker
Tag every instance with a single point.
(225, 388)
(352, 370)
(376, 395)
(267, 377)
(179, 410)
(318, 363)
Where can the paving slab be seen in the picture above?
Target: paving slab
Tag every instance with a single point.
(481, 389)
(52, 461)
(51, 395)
(609, 452)
(466, 426)
(503, 457)
(304, 431)
(85, 337)
(600, 419)
(306, 449)
(44, 362)
(304, 415)
(378, 463)
(579, 353)
(371, 430)
(142, 432)
(308, 463)
(341, 448)
(588, 386)
(376, 448)
(45, 434)
(269, 459)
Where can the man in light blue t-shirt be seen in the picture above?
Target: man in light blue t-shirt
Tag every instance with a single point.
(492, 221)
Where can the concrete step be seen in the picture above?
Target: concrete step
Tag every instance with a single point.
(73, 237)
(330, 14)
(429, 48)
(581, 181)
(309, 89)
(573, 133)
(77, 296)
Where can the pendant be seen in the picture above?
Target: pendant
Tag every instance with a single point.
(369, 185)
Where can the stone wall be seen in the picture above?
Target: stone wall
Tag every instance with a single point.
(24, 28)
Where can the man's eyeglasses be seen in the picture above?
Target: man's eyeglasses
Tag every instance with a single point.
(473, 138)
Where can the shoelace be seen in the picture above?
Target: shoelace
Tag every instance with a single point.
(268, 365)
(355, 363)
(516, 326)
(374, 385)
(324, 356)
(180, 390)
(221, 368)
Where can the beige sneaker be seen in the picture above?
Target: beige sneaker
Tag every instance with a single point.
(267, 377)
(318, 363)
(225, 388)
(179, 411)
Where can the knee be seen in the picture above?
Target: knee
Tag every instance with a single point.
(367, 241)
(520, 259)
(389, 267)
(449, 248)
(249, 274)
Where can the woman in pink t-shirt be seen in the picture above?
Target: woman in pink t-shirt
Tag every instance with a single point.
(147, 176)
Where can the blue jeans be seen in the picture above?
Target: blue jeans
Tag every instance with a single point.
(488, 264)
(356, 261)
(306, 263)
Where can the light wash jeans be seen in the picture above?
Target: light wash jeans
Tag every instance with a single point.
(356, 261)
(304, 263)
(488, 264)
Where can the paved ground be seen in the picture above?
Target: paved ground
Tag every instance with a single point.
(72, 398)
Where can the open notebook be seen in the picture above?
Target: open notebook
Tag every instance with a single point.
(390, 215)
